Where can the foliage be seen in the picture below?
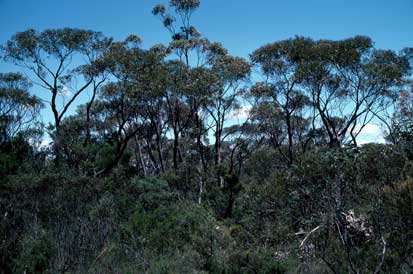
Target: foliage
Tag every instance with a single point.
(185, 159)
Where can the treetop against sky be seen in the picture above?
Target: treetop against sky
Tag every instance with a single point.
(241, 26)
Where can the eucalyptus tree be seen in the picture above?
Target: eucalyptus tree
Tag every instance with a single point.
(267, 123)
(179, 114)
(191, 49)
(185, 39)
(53, 58)
(48, 56)
(281, 90)
(133, 102)
(400, 126)
(186, 42)
(204, 87)
(95, 69)
(18, 108)
(213, 76)
(350, 83)
(223, 99)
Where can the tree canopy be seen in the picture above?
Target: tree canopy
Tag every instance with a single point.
(183, 158)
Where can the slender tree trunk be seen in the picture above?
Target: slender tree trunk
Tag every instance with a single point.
(218, 144)
(200, 146)
(140, 156)
(217, 147)
(88, 109)
(57, 141)
(175, 148)
(290, 138)
(159, 141)
(152, 157)
(201, 184)
(159, 149)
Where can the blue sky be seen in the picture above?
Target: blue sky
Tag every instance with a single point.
(240, 25)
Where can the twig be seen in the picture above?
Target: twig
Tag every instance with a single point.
(383, 252)
(308, 235)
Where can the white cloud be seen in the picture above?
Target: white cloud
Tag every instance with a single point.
(240, 113)
(370, 133)
(370, 129)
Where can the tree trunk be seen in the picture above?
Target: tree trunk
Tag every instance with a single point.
(175, 148)
(141, 162)
(290, 138)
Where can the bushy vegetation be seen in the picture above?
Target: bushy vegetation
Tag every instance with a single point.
(180, 162)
